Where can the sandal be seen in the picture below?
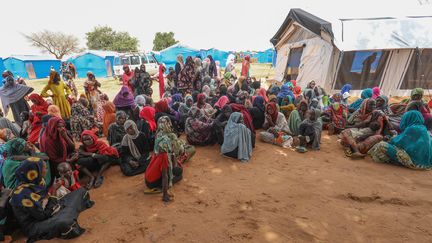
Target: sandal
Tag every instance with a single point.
(301, 149)
(152, 191)
(98, 182)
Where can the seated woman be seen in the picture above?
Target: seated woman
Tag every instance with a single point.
(165, 168)
(206, 108)
(237, 139)
(135, 150)
(310, 131)
(285, 93)
(109, 116)
(16, 150)
(57, 143)
(81, 118)
(297, 116)
(95, 155)
(198, 128)
(40, 216)
(365, 94)
(418, 104)
(116, 130)
(222, 101)
(124, 101)
(147, 124)
(258, 112)
(412, 148)
(220, 122)
(336, 118)
(277, 131)
(162, 109)
(6, 123)
(185, 107)
(370, 128)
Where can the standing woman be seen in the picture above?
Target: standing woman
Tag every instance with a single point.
(245, 67)
(212, 67)
(127, 76)
(186, 77)
(91, 86)
(12, 95)
(161, 79)
(58, 88)
(179, 66)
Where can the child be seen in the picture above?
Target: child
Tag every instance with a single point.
(67, 182)
(25, 116)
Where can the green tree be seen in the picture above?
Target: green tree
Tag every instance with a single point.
(105, 38)
(163, 40)
(55, 43)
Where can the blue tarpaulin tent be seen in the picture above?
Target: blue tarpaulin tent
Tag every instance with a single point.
(99, 62)
(31, 66)
(218, 55)
(169, 55)
(266, 56)
(2, 67)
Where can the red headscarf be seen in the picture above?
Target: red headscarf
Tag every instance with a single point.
(223, 100)
(162, 106)
(275, 114)
(297, 91)
(161, 81)
(263, 93)
(42, 107)
(200, 99)
(99, 146)
(51, 143)
(148, 113)
(246, 115)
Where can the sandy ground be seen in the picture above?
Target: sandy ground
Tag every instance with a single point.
(279, 196)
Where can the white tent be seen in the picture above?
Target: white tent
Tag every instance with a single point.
(392, 53)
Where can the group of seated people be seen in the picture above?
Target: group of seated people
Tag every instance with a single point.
(50, 163)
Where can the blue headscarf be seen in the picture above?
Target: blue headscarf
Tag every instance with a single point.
(284, 92)
(346, 88)
(177, 98)
(414, 139)
(365, 94)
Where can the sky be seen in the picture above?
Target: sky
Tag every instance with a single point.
(223, 24)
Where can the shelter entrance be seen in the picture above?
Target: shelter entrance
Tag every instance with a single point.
(419, 73)
(361, 69)
(293, 64)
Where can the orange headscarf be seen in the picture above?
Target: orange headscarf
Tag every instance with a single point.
(54, 110)
(109, 116)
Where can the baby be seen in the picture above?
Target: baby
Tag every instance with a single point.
(67, 182)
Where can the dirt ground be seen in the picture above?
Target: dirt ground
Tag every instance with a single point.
(279, 196)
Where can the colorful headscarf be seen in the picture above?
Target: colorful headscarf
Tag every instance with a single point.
(274, 116)
(31, 189)
(376, 91)
(223, 100)
(54, 110)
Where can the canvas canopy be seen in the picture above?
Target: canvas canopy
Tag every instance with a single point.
(100, 63)
(392, 53)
